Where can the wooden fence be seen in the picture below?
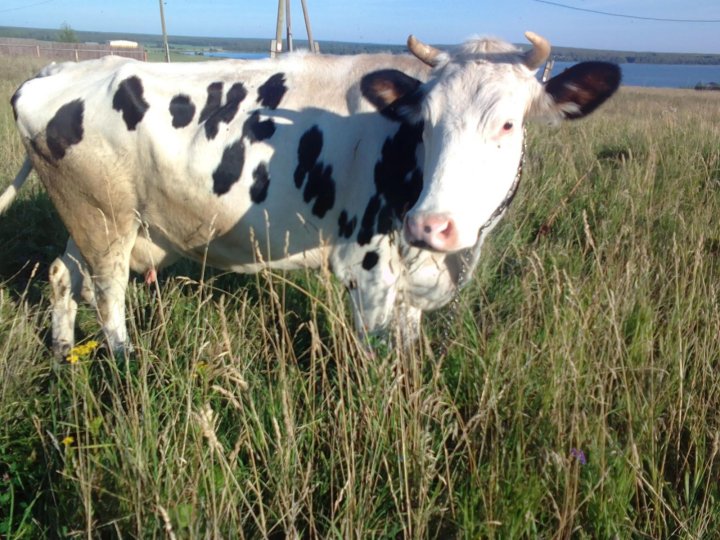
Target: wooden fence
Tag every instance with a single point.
(58, 51)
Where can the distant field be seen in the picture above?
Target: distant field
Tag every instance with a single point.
(572, 392)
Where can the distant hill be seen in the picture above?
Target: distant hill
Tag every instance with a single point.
(563, 54)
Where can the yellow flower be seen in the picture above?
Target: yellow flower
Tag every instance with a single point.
(67, 441)
(81, 351)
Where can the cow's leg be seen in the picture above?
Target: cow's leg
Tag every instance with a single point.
(97, 202)
(106, 245)
(110, 273)
(70, 281)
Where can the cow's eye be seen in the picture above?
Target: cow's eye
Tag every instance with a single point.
(507, 127)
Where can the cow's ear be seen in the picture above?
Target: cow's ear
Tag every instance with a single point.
(581, 89)
(393, 93)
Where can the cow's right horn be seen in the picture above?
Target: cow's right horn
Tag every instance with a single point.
(540, 51)
(424, 52)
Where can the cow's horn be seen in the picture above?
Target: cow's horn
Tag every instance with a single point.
(424, 52)
(540, 51)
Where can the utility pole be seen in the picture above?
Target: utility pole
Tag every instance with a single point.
(276, 46)
(289, 26)
(314, 47)
(164, 32)
(548, 70)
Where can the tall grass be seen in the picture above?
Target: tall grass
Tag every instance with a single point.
(571, 391)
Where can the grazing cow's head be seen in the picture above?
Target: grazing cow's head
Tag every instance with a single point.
(473, 109)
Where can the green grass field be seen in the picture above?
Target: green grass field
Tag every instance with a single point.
(572, 391)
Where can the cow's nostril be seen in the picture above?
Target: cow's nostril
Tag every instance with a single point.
(427, 229)
(447, 231)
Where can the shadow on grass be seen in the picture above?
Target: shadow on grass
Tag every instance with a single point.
(31, 237)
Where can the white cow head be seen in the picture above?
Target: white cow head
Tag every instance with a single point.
(473, 109)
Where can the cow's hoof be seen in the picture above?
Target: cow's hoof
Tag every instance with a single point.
(62, 349)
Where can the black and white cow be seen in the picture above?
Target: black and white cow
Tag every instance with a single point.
(392, 169)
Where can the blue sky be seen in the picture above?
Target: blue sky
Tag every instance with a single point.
(390, 21)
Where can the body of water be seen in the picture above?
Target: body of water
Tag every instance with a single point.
(239, 55)
(652, 75)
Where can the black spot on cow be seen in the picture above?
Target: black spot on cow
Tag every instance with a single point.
(367, 223)
(320, 184)
(309, 149)
(386, 219)
(370, 259)
(272, 91)
(261, 183)
(398, 183)
(321, 187)
(236, 94)
(39, 151)
(256, 130)
(397, 176)
(65, 128)
(182, 110)
(347, 226)
(129, 100)
(230, 168)
(225, 113)
(214, 99)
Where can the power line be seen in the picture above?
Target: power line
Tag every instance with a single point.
(25, 7)
(609, 14)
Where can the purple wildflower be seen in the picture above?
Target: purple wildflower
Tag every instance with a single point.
(579, 455)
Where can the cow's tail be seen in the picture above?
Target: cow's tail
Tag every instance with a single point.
(8, 196)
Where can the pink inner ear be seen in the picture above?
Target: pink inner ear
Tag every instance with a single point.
(385, 91)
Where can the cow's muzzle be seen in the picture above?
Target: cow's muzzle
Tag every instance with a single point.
(436, 232)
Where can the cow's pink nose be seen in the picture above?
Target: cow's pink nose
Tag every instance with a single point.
(431, 231)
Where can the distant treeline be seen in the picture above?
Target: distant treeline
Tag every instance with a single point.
(563, 54)
(568, 54)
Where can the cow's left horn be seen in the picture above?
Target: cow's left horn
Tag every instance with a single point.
(424, 52)
(540, 51)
